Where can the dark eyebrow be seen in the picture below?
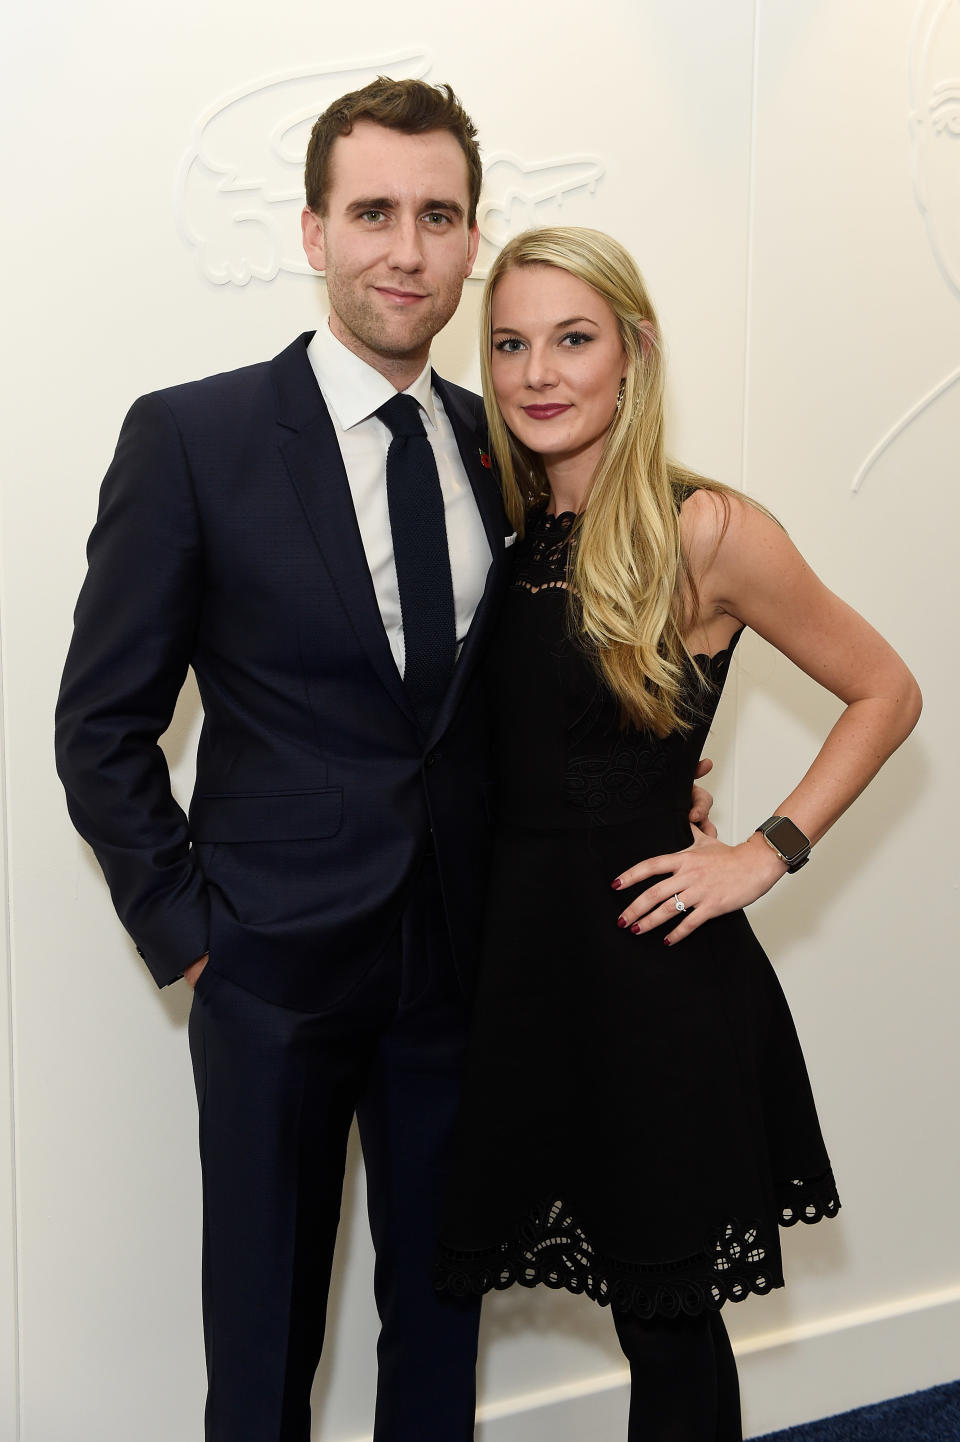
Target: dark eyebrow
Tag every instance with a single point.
(389, 202)
(380, 202)
(454, 207)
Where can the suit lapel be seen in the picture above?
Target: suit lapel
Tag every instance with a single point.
(311, 454)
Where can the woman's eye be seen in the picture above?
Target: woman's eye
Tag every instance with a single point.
(509, 345)
(576, 338)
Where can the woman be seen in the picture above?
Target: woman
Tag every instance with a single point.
(637, 1118)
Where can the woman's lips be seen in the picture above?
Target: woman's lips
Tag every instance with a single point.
(544, 413)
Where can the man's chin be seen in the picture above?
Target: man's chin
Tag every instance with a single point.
(408, 348)
(395, 338)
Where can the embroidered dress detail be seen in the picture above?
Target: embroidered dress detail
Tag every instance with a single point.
(545, 551)
(553, 1248)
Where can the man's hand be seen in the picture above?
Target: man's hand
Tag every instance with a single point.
(191, 972)
(702, 802)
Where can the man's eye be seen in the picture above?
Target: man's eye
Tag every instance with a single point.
(372, 215)
(437, 217)
(509, 345)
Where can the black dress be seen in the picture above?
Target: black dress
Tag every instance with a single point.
(637, 1119)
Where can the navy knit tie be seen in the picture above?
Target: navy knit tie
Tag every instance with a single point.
(422, 558)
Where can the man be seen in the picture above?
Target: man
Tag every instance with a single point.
(329, 567)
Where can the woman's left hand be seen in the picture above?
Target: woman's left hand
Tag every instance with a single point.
(709, 878)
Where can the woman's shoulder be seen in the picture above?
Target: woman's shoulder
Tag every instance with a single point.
(712, 515)
(705, 512)
(725, 536)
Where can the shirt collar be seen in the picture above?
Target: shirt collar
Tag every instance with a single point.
(353, 389)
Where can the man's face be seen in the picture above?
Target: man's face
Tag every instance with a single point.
(394, 242)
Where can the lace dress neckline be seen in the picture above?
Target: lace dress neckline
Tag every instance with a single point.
(541, 559)
(544, 568)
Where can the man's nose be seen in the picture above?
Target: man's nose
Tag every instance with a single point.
(406, 246)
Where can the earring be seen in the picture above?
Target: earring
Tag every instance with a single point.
(621, 392)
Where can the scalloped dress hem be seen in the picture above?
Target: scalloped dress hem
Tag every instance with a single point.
(550, 1248)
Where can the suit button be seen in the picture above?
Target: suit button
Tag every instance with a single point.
(433, 758)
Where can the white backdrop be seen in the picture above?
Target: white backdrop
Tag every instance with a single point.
(788, 174)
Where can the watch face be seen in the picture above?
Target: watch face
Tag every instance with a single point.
(787, 838)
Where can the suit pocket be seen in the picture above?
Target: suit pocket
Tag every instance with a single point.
(271, 816)
(268, 855)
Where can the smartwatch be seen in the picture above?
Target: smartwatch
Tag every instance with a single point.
(787, 840)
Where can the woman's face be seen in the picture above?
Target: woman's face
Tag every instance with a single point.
(557, 363)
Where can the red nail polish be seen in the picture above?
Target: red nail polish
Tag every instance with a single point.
(621, 921)
(616, 884)
(666, 941)
(635, 928)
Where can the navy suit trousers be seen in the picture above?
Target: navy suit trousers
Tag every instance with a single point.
(277, 1090)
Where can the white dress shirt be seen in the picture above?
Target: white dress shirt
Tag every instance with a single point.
(353, 390)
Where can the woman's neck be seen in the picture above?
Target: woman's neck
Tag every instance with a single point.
(569, 482)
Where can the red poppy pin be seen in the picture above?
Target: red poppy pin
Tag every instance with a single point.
(485, 460)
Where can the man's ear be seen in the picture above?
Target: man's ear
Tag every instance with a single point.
(314, 241)
(473, 245)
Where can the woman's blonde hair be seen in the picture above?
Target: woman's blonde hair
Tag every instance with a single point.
(630, 589)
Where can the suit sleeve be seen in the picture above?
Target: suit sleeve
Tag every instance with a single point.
(134, 635)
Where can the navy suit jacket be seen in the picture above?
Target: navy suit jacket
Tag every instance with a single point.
(227, 540)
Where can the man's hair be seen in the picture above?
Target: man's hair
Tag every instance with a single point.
(410, 106)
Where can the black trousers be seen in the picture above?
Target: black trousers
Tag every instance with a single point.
(683, 1379)
(277, 1091)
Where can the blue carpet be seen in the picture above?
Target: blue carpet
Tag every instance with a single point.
(930, 1416)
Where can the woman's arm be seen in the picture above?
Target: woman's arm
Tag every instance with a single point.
(748, 571)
